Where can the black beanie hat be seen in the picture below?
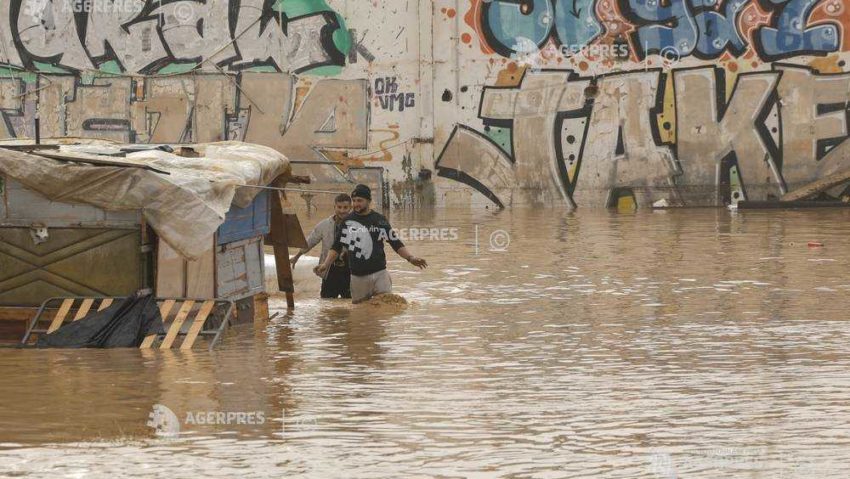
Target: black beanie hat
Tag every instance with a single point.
(362, 191)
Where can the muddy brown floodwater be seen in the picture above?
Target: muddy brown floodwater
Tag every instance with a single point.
(695, 343)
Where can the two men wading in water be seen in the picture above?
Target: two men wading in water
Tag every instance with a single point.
(362, 234)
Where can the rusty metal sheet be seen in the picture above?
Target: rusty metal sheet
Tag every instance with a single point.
(69, 262)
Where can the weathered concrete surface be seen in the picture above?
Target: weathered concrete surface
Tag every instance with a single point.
(563, 104)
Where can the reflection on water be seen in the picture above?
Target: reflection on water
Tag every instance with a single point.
(655, 345)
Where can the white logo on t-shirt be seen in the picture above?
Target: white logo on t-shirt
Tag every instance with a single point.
(358, 239)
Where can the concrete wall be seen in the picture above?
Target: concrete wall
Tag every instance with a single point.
(508, 102)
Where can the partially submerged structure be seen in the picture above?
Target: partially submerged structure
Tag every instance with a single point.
(96, 219)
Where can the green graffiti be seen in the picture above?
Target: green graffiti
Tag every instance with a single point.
(18, 74)
(177, 67)
(502, 137)
(48, 68)
(341, 37)
(110, 67)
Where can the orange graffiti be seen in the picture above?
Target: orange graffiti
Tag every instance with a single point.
(473, 19)
(385, 147)
(834, 11)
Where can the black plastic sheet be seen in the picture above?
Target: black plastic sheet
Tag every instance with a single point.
(124, 324)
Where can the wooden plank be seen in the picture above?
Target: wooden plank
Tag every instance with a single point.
(790, 205)
(60, 315)
(294, 233)
(200, 275)
(178, 278)
(278, 238)
(197, 325)
(285, 283)
(105, 304)
(246, 223)
(261, 307)
(164, 311)
(17, 314)
(14, 322)
(84, 309)
(170, 272)
(177, 324)
(816, 187)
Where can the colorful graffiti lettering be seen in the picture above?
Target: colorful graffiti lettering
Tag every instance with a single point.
(573, 149)
(149, 36)
(697, 27)
(706, 29)
(789, 33)
(511, 26)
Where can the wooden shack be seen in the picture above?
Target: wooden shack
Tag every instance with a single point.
(54, 248)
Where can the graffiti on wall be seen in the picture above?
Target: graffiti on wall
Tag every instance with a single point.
(152, 36)
(251, 106)
(388, 96)
(768, 29)
(119, 70)
(694, 102)
(774, 130)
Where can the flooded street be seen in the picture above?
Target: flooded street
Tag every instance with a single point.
(696, 344)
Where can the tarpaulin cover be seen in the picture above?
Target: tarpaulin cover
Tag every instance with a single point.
(125, 324)
(185, 207)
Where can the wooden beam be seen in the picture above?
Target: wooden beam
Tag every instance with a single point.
(279, 239)
(818, 186)
(174, 330)
(197, 325)
(300, 180)
(60, 315)
(789, 205)
(84, 309)
(164, 311)
(105, 304)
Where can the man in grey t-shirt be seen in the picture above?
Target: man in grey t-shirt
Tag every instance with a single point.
(336, 280)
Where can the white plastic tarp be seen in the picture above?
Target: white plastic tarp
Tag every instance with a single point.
(185, 207)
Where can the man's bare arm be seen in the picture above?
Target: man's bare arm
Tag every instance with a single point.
(332, 256)
(407, 255)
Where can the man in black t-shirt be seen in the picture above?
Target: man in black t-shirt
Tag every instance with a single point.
(363, 233)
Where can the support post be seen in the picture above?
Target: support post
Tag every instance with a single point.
(285, 232)
(279, 241)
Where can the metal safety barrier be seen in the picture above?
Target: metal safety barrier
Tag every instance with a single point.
(184, 319)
